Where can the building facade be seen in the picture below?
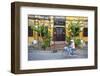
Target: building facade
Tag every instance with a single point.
(57, 27)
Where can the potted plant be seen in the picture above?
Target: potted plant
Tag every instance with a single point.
(74, 29)
(44, 34)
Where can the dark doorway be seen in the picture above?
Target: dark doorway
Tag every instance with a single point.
(59, 34)
(85, 32)
(30, 31)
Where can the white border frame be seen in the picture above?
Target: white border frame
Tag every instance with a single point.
(25, 64)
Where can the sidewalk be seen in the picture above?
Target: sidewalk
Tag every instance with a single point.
(60, 54)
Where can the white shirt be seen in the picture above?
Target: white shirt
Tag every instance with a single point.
(72, 45)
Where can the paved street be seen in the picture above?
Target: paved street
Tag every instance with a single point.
(59, 54)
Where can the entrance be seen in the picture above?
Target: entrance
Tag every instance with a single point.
(59, 28)
(59, 34)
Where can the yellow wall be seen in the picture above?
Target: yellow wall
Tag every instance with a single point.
(82, 37)
(51, 26)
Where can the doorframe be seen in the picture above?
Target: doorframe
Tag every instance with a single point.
(56, 27)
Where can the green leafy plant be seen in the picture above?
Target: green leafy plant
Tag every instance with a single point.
(77, 42)
(44, 34)
(74, 29)
(45, 44)
(68, 38)
(46, 39)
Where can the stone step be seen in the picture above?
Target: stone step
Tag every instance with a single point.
(58, 46)
(59, 42)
